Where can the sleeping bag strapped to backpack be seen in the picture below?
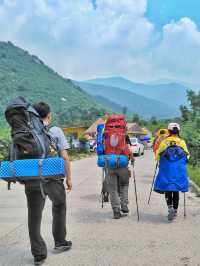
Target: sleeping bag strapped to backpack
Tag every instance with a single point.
(116, 151)
(100, 139)
(29, 136)
(34, 154)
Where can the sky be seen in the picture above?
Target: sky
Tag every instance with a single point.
(143, 40)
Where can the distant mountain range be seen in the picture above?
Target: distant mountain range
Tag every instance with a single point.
(172, 94)
(117, 98)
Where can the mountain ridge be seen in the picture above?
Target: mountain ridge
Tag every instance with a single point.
(173, 94)
(141, 105)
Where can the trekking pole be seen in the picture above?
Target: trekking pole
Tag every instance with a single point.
(102, 199)
(136, 198)
(184, 205)
(153, 183)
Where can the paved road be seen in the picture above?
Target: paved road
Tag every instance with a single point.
(98, 240)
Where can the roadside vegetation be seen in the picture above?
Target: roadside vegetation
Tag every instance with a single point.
(191, 133)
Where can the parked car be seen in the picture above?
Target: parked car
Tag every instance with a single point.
(75, 144)
(137, 146)
(93, 145)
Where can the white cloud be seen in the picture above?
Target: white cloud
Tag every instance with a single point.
(113, 39)
(178, 53)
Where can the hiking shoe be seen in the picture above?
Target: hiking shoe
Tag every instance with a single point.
(171, 213)
(116, 215)
(105, 197)
(39, 260)
(175, 213)
(63, 246)
(125, 209)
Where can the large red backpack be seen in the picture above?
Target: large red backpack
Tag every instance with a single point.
(115, 135)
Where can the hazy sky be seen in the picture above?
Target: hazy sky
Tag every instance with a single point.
(140, 39)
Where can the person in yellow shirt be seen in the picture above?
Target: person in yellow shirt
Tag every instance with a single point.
(161, 135)
(173, 138)
(172, 156)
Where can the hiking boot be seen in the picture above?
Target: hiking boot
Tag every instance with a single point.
(125, 209)
(63, 246)
(175, 213)
(105, 197)
(171, 213)
(39, 260)
(116, 215)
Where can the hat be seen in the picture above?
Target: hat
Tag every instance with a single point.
(171, 126)
(163, 131)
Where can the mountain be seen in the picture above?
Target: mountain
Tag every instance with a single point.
(173, 94)
(110, 104)
(135, 103)
(192, 86)
(22, 74)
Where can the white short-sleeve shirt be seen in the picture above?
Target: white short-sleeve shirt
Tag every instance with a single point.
(59, 136)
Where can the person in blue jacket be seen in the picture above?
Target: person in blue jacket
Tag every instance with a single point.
(172, 156)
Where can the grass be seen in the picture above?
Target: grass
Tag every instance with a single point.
(194, 174)
(4, 133)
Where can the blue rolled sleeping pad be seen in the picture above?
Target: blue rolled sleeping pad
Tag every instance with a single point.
(100, 139)
(112, 161)
(32, 169)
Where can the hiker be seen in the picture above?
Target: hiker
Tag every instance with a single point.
(114, 157)
(161, 135)
(55, 190)
(105, 187)
(172, 155)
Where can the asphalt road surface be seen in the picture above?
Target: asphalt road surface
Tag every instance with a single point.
(98, 240)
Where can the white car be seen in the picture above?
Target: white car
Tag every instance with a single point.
(75, 143)
(137, 146)
(93, 145)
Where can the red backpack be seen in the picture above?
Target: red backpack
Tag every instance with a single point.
(115, 135)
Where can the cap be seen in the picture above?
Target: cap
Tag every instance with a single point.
(171, 126)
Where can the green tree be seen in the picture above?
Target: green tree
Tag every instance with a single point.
(124, 110)
(136, 119)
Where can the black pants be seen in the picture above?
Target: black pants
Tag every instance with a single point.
(55, 190)
(172, 199)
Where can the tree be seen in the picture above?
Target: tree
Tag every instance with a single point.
(154, 120)
(124, 110)
(185, 113)
(136, 118)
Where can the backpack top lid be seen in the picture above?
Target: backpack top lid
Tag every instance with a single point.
(18, 103)
(117, 121)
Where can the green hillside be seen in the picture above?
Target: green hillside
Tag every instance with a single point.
(22, 74)
(135, 103)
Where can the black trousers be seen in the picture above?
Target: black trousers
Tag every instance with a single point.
(55, 190)
(172, 199)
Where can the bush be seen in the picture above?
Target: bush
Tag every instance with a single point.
(194, 174)
(4, 150)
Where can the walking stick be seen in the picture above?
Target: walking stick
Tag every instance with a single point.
(102, 199)
(136, 198)
(184, 205)
(153, 183)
